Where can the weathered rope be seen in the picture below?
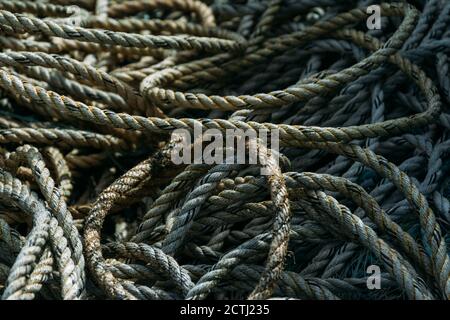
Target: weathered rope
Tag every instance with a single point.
(93, 205)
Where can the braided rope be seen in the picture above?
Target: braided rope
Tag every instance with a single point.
(93, 207)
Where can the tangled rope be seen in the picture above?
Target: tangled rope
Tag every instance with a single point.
(92, 205)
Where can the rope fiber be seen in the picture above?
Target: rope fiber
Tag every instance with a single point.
(94, 92)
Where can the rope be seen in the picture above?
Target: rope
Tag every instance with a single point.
(94, 95)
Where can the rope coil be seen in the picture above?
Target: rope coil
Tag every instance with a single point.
(93, 207)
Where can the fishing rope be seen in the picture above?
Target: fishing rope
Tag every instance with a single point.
(95, 96)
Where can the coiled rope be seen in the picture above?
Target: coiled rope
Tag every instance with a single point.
(92, 205)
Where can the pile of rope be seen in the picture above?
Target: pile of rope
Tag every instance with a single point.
(93, 207)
